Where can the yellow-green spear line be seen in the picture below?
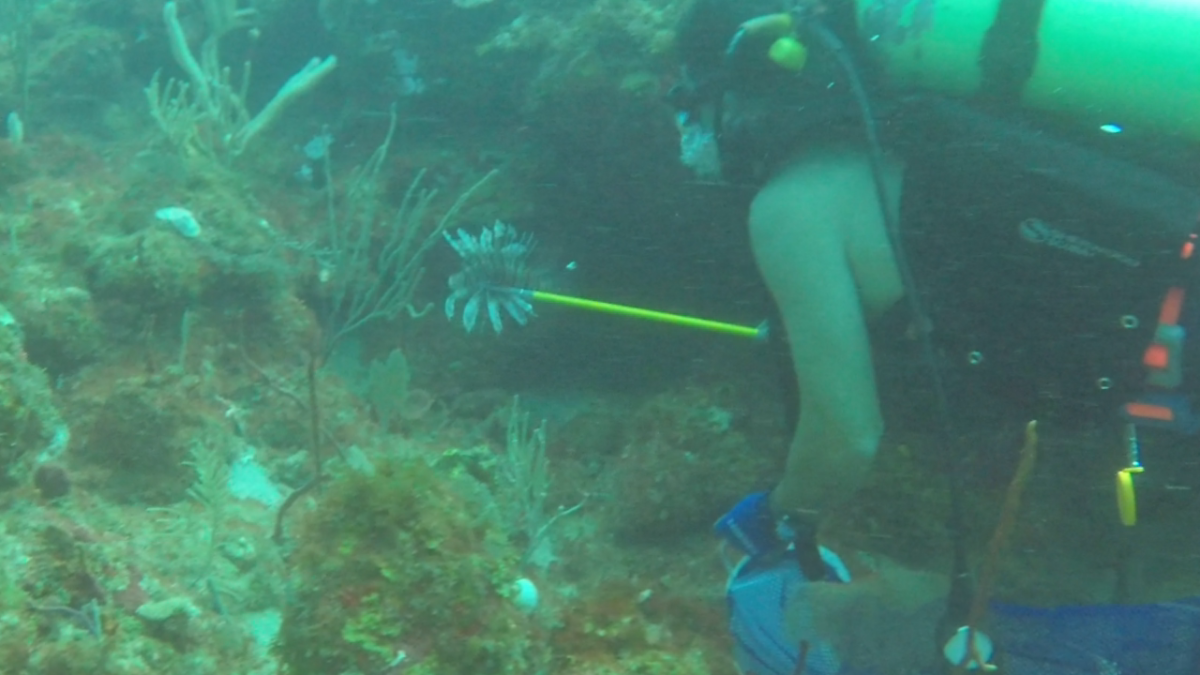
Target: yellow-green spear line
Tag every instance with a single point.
(758, 332)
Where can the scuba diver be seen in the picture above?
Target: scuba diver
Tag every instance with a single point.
(793, 100)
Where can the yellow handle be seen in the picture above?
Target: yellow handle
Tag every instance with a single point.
(759, 332)
(1126, 496)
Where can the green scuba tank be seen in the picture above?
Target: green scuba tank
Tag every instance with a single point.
(1110, 64)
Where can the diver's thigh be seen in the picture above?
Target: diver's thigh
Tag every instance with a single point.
(796, 227)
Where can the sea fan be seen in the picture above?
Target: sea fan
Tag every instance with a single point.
(496, 276)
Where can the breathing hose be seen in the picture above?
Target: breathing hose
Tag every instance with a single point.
(959, 601)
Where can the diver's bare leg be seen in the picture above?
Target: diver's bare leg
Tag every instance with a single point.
(806, 228)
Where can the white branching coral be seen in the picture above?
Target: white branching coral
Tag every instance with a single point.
(207, 114)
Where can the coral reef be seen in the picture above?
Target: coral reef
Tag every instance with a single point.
(153, 271)
(172, 387)
(30, 425)
(391, 569)
(684, 461)
(62, 331)
(155, 410)
(136, 440)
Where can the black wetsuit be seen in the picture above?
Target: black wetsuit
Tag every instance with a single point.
(1043, 295)
(1042, 265)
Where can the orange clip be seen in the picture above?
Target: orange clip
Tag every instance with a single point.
(1172, 306)
(1157, 357)
(1147, 411)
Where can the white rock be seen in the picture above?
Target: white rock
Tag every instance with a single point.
(181, 219)
(525, 595)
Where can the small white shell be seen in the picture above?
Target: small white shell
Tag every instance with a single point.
(181, 219)
(525, 595)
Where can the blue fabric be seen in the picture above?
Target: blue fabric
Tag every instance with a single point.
(750, 526)
(1159, 639)
(758, 595)
(757, 602)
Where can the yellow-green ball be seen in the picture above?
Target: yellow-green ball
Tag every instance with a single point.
(789, 53)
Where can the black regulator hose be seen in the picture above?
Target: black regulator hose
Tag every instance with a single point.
(959, 601)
